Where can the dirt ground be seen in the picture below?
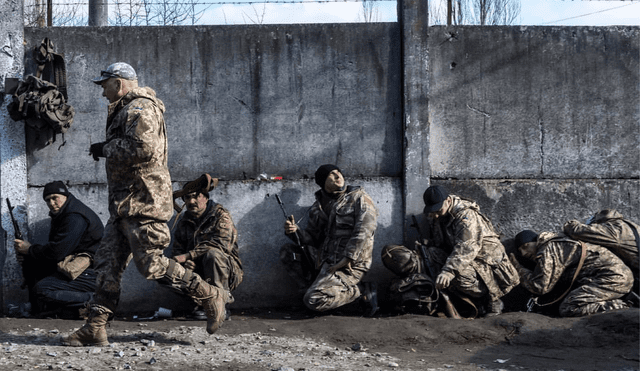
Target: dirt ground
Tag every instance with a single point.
(296, 341)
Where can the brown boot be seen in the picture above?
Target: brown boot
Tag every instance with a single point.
(213, 301)
(91, 333)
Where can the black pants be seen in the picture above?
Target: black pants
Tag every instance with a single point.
(49, 290)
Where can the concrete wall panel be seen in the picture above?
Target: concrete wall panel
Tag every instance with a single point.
(534, 102)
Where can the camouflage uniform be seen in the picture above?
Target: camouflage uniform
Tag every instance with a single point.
(140, 197)
(211, 242)
(601, 282)
(338, 227)
(467, 245)
(611, 230)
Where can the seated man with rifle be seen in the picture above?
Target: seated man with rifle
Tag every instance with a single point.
(334, 251)
(206, 240)
(591, 278)
(463, 253)
(59, 274)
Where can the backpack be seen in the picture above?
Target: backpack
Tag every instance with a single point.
(415, 293)
(43, 104)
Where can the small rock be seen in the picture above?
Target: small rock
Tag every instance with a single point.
(152, 361)
(52, 354)
(393, 364)
(356, 347)
(120, 354)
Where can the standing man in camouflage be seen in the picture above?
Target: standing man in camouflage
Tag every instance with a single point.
(140, 204)
(463, 248)
(340, 230)
(610, 229)
(206, 240)
(596, 278)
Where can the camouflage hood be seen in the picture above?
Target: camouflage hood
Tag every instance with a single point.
(135, 93)
(606, 214)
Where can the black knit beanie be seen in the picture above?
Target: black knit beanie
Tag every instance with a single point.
(323, 173)
(525, 237)
(56, 187)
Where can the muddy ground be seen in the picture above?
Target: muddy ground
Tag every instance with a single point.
(286, 341)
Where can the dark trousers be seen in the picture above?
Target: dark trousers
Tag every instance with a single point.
(49, 290)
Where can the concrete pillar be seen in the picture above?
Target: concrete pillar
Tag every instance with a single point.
(98, 13)
(13, 159)
(413, 16)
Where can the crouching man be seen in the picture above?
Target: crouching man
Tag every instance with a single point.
(206, 240)
(340, 230)
(59, 274)
(590, 278)
(463, 250)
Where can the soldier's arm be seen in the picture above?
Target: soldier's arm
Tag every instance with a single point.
(549, 267)
(364, 227)
(141, 138)
(575, 229)
(63, 241)
(468, 241)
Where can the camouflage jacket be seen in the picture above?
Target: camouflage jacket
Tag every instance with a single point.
(557, 259)
(611, 230)
(213, 230)
(136, 157)
(345, 229)
(470, 240)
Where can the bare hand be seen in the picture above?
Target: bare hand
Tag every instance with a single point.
(21, 247)
(190, 264)
(444, 280)
(513, 260)
(345, 262)
(181, 258)
(290, 225)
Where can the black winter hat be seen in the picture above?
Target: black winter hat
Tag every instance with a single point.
(56, 187)
(525, 236)
(323, 173)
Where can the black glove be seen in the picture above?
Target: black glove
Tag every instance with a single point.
(96, 150)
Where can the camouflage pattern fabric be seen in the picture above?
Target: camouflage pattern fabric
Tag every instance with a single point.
(600, 284)
(474, 252)
(124, 238)
(140, 194)
(136, 157)
(211, 241)
(611, 230)
(344, 228)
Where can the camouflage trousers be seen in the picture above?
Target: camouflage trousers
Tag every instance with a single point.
(331, 291)
(219, 269)
(598, 293)
(123, 238)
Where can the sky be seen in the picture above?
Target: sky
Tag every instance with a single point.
(533, 12)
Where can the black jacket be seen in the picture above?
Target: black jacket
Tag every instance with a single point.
(76, 228)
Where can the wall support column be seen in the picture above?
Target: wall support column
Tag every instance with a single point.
(13, 159)
(413, 16)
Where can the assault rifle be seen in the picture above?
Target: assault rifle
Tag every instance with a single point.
(431, 271)
(16, 228)
(307, 261)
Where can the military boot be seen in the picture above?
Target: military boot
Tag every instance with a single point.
(93, 332)
(213, 301)
(494, 308)
(210, 297)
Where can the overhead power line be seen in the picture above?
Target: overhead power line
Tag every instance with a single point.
(600, 11)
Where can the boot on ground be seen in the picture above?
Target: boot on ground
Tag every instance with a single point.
(92, 333)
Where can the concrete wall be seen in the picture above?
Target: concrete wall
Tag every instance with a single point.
(241, 101)
(538, 124)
